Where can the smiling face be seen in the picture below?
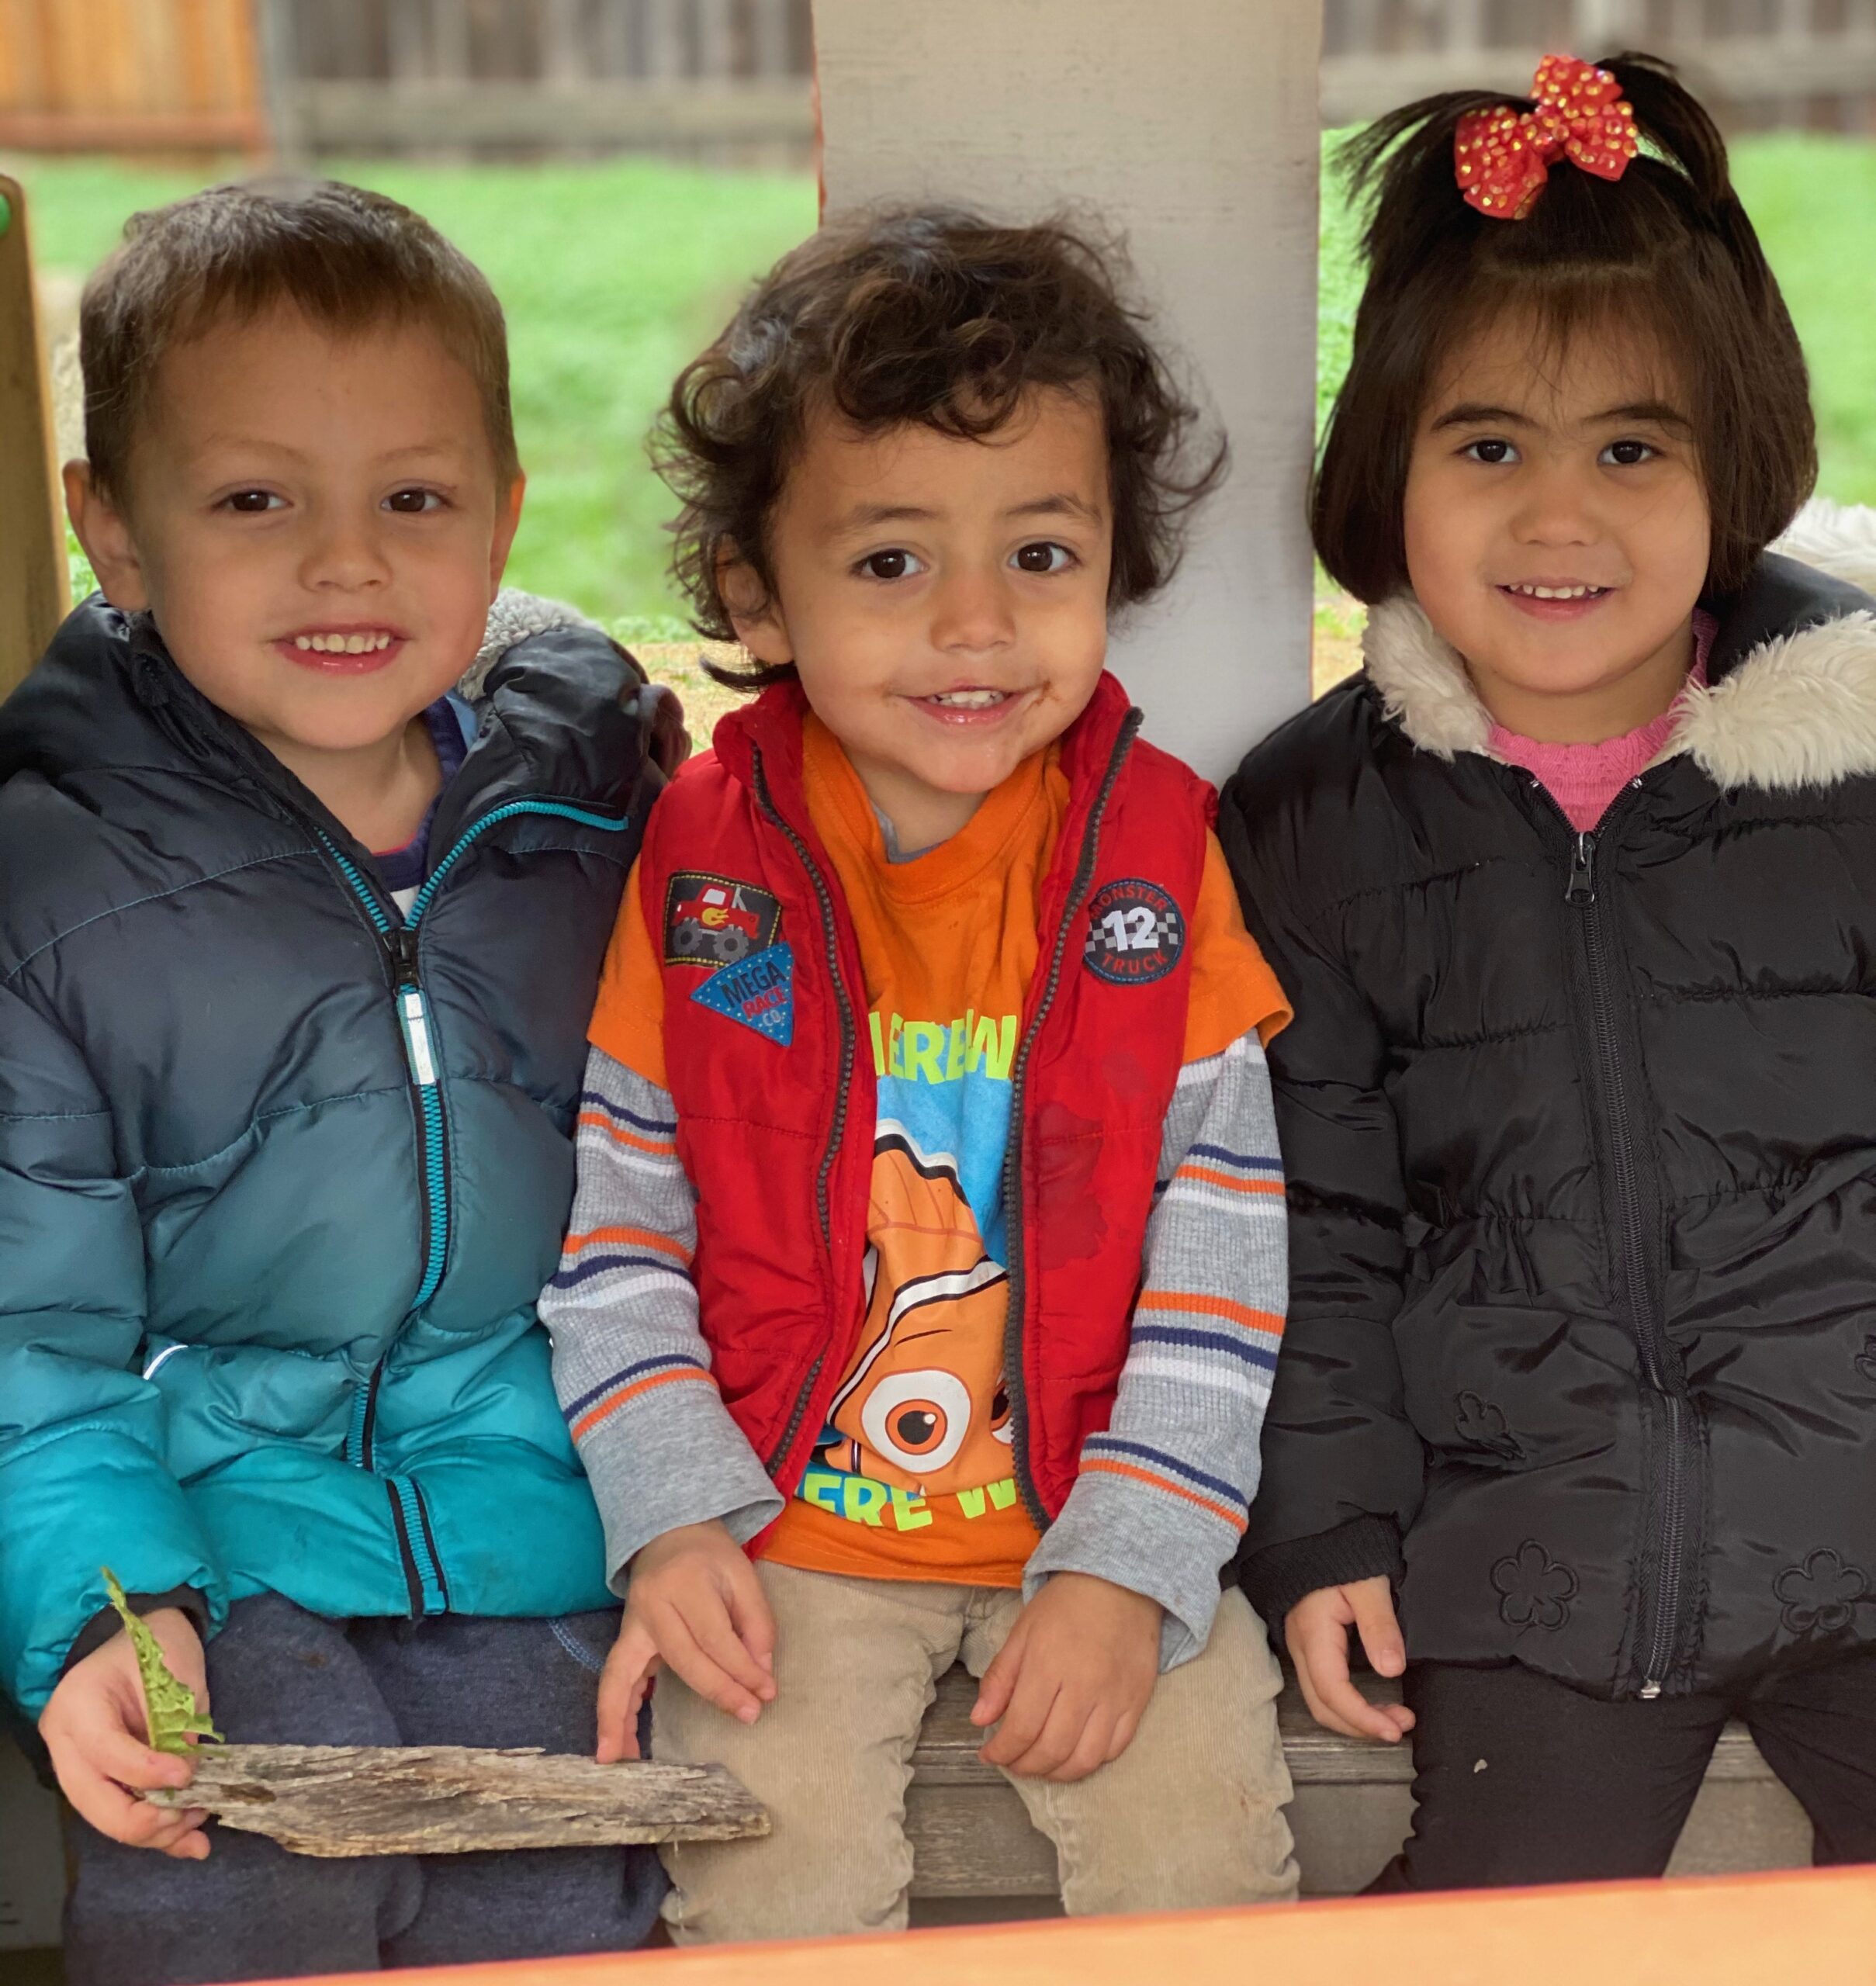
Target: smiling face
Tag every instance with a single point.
(1557, 530)
(315, 521)
(944, 600)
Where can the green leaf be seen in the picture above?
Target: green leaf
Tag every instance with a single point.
(169, 1706)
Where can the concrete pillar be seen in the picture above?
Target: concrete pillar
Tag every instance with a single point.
(1192, 124)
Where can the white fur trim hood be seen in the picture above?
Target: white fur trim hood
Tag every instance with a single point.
(514, 618)
(1798, 711)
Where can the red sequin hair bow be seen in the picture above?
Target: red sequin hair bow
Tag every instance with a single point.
(1502, 158)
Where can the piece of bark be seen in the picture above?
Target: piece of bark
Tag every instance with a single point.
(334, 1799)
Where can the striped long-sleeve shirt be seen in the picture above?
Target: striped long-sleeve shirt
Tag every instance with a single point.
(1161, 1500)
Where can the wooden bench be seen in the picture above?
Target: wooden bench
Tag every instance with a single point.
(972, 1837)
(976, 1856)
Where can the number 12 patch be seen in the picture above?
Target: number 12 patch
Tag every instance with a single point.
(1135, 933)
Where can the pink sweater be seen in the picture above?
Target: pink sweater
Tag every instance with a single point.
(1583, 778)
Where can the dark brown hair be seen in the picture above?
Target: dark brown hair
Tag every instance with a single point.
(940, 317)
(1666, 250)
(346, 258)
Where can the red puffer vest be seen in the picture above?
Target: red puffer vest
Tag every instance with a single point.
(769, 1062)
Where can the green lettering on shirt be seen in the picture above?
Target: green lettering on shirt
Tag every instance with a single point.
(924, 1044)
(862, 1500)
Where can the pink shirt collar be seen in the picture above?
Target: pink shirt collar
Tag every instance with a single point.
(1583, 778)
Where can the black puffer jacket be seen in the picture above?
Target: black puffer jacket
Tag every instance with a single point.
(1581, 1132)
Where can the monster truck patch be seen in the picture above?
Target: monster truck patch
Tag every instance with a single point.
(714, 921)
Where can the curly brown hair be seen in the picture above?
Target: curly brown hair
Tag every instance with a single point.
(940, 316)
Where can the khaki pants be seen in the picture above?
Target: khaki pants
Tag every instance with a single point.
(1188, 1816)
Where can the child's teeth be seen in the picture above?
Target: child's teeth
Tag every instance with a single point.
(969, 700)
(356, 644)
(1556, 592)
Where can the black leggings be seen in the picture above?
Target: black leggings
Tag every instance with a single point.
(1522, 1779)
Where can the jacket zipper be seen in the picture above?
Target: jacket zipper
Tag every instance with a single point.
(1674, 1460)
(778, 1456)
(422, 1571)
(1013, 1375)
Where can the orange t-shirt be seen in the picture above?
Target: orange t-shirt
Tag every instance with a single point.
(912, 1477)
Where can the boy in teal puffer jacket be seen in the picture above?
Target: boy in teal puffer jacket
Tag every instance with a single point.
(298, 938)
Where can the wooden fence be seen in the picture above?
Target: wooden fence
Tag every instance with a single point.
(130, 75)
(725, 77)
(1759, 62)
(732, 78)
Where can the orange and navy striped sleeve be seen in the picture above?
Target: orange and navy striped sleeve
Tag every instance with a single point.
(631, 1366)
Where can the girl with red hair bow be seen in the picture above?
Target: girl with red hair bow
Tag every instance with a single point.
(1571, 890)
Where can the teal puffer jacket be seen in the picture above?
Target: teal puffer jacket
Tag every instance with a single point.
(282, 1170)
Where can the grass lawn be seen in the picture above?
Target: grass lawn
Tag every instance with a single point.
(613, 274)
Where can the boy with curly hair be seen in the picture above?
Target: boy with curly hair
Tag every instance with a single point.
(928, 1248)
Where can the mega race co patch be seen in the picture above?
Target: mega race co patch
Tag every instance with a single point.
(713, 921)
(759, 992)
(1135, 933)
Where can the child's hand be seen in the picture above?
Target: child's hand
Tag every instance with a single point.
(695, 1603)
(1073, 1680)
(1317, 1632)
(95, 1728)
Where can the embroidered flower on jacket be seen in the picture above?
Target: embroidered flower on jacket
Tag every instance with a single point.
(1535, 1589)
(1820, 1596)
(1482, 1425)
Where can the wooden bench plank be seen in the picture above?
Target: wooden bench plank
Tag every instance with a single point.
(972, 1836)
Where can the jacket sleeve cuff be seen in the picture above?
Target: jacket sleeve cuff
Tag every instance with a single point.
(1135, 1536)
(104, 1623)
(1363, 1548)
(684, 1462)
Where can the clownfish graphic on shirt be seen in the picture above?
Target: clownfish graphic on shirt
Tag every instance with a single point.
(914, 1464)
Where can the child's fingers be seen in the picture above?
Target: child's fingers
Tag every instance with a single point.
(1051, 1738)
(998, 1683)
(622, 1684)
(699, 1668)
(1375, 1621)
(712, 1628)
(110, 1750)
(1322, 1668)
(755, 1625)
(1091, 1750)
(1031, 1704)
(122, 1816)
(184, 1842)
(1121, 1736)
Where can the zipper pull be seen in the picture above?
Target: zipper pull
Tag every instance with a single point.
(400, 947)
(1582, 871)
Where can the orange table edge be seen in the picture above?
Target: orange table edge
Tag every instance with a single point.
(1724, 1931)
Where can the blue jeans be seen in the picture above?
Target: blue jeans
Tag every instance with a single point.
(278, 1675)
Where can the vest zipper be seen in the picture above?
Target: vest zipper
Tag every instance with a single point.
(422, 1571)
(778, 1456)
(1673, 1460)
(1014, 1379)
